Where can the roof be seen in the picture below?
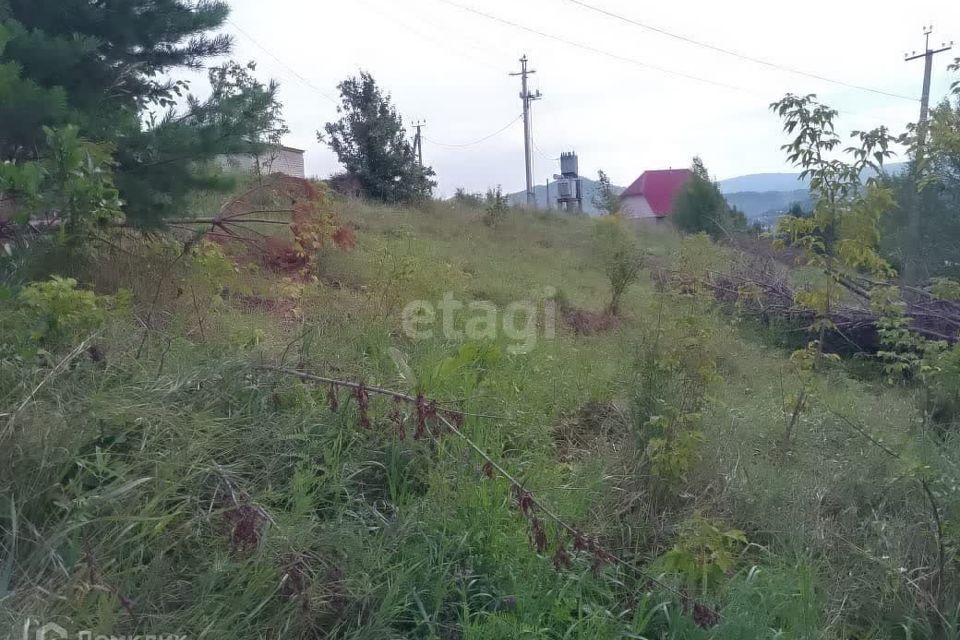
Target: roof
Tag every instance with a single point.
(293, 149)
(660, 187)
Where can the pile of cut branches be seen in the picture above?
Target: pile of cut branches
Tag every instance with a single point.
(760, 288)
(281, 202)
(281, 221)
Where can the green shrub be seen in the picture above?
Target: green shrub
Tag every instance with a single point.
(669, 396)
(73, 177)
(704, 554)
(58, 312)
(619, 255)
(496, 207)
(50, 316)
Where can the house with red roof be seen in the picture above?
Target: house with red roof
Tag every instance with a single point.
(651, 195)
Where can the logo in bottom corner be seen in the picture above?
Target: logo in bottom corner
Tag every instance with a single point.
(49, 631)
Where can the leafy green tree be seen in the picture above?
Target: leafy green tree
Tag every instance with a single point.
(73, 176)
(605, 199)
(700, 207)
(842, 233)
(371, 143)
(843, 229)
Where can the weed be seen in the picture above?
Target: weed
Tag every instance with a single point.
(495, 208)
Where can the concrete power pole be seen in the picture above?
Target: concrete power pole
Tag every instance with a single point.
(927, 55)
(912, 270)
(418, 141)
(527, 98)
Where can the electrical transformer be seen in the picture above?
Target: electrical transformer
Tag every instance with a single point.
(569, 189)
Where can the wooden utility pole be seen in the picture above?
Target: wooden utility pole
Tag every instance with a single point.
(527, 98)
(912, 267)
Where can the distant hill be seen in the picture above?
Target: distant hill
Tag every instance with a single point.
(766, 182)
(765, 196)
(763, 183)
(766, 206)
(589, 187)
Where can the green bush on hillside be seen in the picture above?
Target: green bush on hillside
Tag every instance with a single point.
(619, 255)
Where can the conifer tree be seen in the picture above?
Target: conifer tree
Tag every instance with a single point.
(104, 66)
(606, 200)
(700, 207)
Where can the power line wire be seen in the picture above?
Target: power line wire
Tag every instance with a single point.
(394, 19)
(590, 48)
(475, 142)
(282, 63)
(542, 153)
(536, 147)
(731, 52)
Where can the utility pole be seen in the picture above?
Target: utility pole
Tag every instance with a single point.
(418, 141)
(927, 55)
(912, 267)
(527, 98)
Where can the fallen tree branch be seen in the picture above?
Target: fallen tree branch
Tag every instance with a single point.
(594, 546)
(757, 291)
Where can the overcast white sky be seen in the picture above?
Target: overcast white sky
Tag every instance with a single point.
(450, 67)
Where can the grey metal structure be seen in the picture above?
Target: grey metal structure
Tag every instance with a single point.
(569, 164)
(569, 186)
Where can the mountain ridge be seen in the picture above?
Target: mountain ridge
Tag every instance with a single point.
(783, 181)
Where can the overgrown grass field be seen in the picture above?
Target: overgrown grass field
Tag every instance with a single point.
(157, 477)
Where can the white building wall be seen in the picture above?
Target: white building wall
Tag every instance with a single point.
(286, 161)
(636, 207)
(289, 162)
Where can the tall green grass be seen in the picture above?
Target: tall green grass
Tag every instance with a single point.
(186, 491)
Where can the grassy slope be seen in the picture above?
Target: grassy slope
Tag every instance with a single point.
(122, 476)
